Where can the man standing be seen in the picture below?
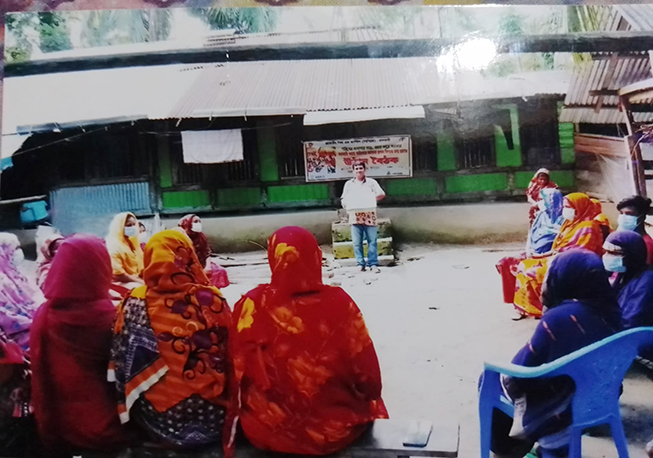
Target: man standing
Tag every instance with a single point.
(359, 198)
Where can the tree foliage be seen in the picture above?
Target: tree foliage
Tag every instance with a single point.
(116, 27)
(19, 26)
(243, 20)
(54, 32)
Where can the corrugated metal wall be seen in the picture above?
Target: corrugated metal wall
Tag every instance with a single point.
(89, 209)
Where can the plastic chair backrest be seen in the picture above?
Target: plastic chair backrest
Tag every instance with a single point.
(598, 371)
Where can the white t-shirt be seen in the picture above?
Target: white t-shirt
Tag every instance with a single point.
(359, 199)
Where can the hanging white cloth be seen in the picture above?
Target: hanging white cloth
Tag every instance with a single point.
(212, 146)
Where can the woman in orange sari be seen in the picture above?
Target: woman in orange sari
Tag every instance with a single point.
(169, 355)
(309, 376)
(580, 230)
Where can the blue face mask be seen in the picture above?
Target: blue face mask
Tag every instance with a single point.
(628, 222)
(613, 263)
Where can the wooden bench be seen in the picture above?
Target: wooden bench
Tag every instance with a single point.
(384, 440)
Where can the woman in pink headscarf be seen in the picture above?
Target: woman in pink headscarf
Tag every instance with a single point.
(74, 405)
(19, 298)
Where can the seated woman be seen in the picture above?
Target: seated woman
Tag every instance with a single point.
(625, 254)
(581, 309)
(601, 218)
(16, 425)
(579, 230)
(632, 217)
(126, 254)
(547, 223)
(169, 355)
(71, 342)
(541, 180)
(46, 254)
(19, 298)
(309, 376)
(192, 225)
(142, 235)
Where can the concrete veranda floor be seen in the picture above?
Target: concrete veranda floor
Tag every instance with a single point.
(435, 318)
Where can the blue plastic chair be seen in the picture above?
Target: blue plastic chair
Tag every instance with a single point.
(597, 370)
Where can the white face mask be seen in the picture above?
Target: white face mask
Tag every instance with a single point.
(613, 263)
(568, 213)
(628, 222)
(131, 231)
(196, 227)
(142, 237)
(18, 257)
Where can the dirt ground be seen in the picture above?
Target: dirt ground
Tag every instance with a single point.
(435, 318)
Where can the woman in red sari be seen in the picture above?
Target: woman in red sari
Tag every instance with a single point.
(309, 375)
(192, 225)
(74, 406)
(540, 180)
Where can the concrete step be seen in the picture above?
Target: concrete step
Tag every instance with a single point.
(341, 232)
(345, 250)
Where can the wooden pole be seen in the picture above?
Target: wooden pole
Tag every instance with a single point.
(634, 148)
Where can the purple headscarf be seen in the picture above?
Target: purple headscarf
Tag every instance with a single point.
(18, 298)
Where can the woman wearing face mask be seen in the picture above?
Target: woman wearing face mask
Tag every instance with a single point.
(126, 253)
(19, 298)
(632, 217)
(192, 225)
(580, 230)
(581, 309)
(541, 180)
(625, 255)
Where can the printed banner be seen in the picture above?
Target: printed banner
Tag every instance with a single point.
(385, 157)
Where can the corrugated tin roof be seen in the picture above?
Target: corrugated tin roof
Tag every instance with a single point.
(76, 97)
(349, 84)
(639, 17)
(602, 73)
(252, 88)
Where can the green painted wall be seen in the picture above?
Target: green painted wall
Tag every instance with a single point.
(299, 193)
(267, 152)
(186, 199)
(566, 136)
(165, 168)
(411, 187)
(239, 197)
(508, 157)
(476, 183)
(446, 151)
(563, 178)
